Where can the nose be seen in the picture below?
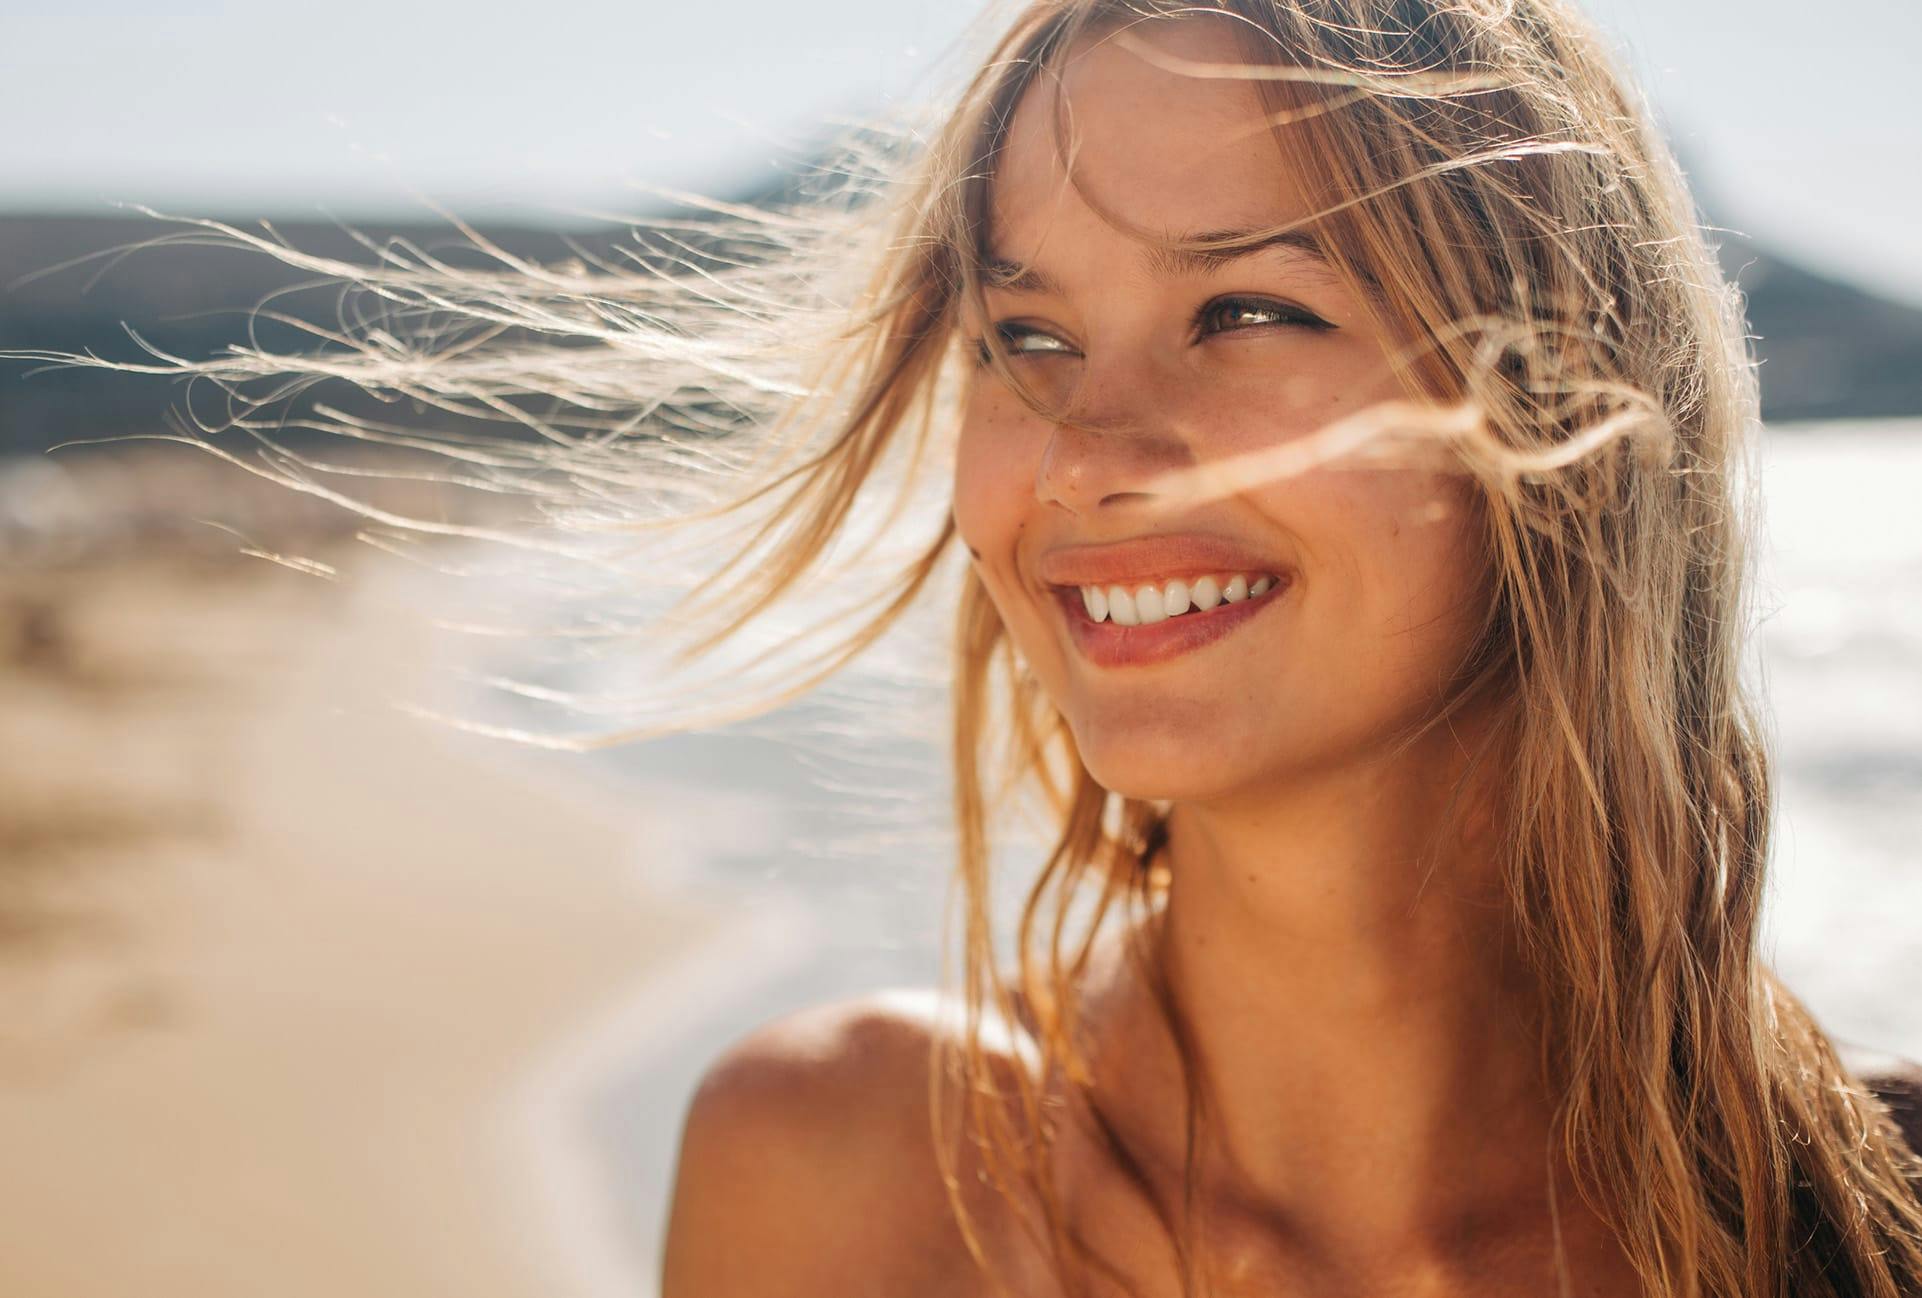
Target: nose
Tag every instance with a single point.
(1108, 447)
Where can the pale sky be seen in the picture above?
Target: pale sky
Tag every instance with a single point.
(1804, 133)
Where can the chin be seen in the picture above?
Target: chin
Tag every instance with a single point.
(1177, 764)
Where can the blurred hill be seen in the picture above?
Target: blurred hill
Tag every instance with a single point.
(81, 284)
(1829, 350)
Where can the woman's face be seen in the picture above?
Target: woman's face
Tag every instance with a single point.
(1376, 573)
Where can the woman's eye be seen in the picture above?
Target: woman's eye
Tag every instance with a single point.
(1023, 341)
(1227, 314)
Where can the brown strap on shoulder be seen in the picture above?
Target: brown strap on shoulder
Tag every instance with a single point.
(1903, 1096)
(1895, 1081)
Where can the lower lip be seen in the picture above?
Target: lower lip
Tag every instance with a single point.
(1106, 644)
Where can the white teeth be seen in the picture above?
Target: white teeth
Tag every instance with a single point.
(1147, 605)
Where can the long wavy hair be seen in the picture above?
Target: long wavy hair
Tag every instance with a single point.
(1487, 181)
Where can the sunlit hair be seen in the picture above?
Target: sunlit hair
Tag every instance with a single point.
(1482, 179)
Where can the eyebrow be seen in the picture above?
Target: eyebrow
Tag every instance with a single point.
(1166, 263)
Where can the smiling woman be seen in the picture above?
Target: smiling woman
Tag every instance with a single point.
(1415, 739)
(1344, 421)
(1349, 465)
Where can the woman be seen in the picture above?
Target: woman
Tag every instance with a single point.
(1415, 738)
(1338, 419)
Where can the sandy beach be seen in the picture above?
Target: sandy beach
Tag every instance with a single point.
(294, 986)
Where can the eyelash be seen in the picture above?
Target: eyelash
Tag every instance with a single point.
(1289, 315)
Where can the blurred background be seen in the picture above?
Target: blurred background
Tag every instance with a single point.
(282, 967)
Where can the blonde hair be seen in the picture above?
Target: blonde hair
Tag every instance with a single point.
(1482, 177)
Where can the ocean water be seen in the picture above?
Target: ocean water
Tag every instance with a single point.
(832, 855)
(1841, 652)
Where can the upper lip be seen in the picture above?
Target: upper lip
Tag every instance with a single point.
(1150, 558)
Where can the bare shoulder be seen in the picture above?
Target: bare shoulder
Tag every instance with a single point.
(1896, 1081)
(807, 1162)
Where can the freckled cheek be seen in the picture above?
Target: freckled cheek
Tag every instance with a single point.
(1266, 396)
(1430, 527)
(994, 475)
(1406, 545)
(1234, 418)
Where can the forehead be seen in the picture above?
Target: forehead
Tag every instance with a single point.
(1156, 132)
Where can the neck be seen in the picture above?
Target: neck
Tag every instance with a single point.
(1341, 962)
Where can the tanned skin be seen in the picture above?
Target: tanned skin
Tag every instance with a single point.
(1369, 1035)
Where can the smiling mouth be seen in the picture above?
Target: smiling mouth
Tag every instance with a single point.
(1145, 605)
(1098, 620)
